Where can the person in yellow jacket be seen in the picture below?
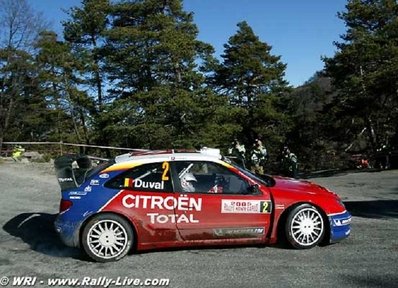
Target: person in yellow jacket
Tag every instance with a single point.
(17, 152)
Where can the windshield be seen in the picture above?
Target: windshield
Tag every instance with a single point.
(266, 180)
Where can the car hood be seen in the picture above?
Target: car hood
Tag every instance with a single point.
(299, 186)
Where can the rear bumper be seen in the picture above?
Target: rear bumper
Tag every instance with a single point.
(68, 231)
(340, 226)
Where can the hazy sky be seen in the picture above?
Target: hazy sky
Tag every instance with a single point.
(299, 31)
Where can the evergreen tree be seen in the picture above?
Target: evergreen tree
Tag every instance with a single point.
(68, 106)
(311, 136)
(252, 79)
(365, 71)
(85, 32)
(18, 89)
(159, 95)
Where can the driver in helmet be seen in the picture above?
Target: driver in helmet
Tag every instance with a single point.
(187, 182)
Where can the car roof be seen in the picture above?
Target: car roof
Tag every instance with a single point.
(149, 156)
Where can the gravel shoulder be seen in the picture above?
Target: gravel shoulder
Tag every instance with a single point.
(29, 246)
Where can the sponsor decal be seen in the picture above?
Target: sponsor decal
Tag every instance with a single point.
(170, 203)
(62, 180)
(138, 183)
(87, 213)
(279, 206)
(75, 197)
(104, 176)
(345, 221)
(342, 222)
(94, 182)
(182, 203)
(171, 218)
(245, 206)
(239, 232)
(79, 193)
(88, 189)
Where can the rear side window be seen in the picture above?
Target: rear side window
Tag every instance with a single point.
(147, 177)
(73, 170)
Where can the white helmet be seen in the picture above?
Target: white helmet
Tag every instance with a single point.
(187, 182)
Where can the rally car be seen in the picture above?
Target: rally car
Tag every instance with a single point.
(156, 199)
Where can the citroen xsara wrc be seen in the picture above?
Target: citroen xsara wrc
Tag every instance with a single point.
(157, 199)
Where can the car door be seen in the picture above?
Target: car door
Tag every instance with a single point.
(146, 197)
(223, 204)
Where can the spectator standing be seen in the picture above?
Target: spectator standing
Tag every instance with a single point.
(288, 163)
(238, 151)
(258, 157)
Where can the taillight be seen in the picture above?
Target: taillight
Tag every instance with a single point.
(64, 205)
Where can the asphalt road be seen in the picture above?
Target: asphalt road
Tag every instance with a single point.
(29, 197)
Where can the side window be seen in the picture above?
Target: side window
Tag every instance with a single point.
(208, 177)
(147, 177)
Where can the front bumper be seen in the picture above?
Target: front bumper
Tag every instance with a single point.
(340, 226)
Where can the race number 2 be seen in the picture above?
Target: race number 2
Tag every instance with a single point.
(166, 167)
(265, 206)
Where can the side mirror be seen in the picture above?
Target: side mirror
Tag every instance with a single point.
(253, 189)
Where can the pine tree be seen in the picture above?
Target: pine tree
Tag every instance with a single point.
(311, 135)
(365, 71)
(252, 79)
(85, 31)
(160, 99)
(68, 106)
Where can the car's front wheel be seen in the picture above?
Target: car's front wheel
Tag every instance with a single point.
(107, 237)
(305, 227)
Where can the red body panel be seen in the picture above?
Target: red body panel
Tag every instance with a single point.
(172, 219)
(137, 205)
(164, 220)
(214, 221)
(289, 192)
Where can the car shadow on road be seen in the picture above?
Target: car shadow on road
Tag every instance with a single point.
(37, 230)
(373, 208)
(386, 281)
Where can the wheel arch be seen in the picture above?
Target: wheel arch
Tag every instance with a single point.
(131, 224)
(283, 217)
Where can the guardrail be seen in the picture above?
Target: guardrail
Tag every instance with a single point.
(8, 152)
(73, 144)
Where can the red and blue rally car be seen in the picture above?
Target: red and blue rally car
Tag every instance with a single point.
(157, 199)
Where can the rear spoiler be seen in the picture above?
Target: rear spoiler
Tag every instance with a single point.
(71, 170)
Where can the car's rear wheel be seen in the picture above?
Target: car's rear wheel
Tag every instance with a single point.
(305, 227)
(107, 237)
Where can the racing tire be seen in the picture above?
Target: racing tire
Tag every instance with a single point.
(107, 238)
(305, 227)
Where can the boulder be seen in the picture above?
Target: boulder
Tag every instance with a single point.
(33, 155)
